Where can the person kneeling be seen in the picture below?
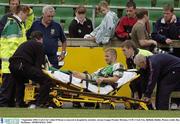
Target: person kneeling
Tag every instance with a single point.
(27, 64)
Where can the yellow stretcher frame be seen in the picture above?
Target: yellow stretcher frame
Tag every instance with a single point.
(77, 94)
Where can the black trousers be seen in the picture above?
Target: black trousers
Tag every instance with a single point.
(139, 85)
(21, 71)
(165, 86)
(7, 91)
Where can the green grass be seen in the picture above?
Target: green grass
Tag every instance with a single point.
(85, 113)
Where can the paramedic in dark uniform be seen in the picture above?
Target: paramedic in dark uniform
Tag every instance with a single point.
(27, 64)
(164, 70)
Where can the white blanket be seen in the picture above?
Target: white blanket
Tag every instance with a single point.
(65, 78)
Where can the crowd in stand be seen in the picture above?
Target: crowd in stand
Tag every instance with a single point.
(18, 26)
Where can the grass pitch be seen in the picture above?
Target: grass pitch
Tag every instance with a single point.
(86, 113)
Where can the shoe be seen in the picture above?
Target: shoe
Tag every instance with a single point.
(173, 106)
(32, 106)
(50, 107)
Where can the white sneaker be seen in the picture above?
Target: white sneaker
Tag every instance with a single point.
(50, 107)
(32, 106)
(174, 106)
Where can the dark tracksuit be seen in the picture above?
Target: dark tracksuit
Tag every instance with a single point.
(163, 31)
(139, 84)
(25, 64)
(164, 69)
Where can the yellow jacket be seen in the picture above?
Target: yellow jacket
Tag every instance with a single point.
(13, 34)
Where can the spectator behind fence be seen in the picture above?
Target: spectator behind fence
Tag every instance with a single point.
(164, 70)
(166, 29)
(125, 24)
(106, 29)
(138, 85)
(13, 4)
(80, 25)
(52, 34)
(139, 33)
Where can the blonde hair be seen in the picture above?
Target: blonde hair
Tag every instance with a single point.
(112, 51)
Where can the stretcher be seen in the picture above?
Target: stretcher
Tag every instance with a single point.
(72, 89)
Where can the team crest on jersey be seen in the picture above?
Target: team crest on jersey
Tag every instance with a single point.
(89, 26)
(52, 31)
(79, 31)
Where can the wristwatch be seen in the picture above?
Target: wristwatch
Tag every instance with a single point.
(63, 52)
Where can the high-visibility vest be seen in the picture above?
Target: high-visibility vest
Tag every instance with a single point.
(145, 52)
(29, 20)
(13, 34)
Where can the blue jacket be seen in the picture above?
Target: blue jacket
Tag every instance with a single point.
(159, 65)
(162, 30)
(51, 35)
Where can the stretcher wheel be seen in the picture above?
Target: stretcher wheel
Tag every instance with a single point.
(112, 106)
(56, 103)
(108, 105)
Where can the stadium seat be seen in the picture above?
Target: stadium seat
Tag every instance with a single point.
(143, 3)
(89, 12)
(4, 1)
(155, 14)
(37, 11)
(98, 20)
(74, 2)
(161, 3)
(92, 2)
(124, 12)
(49, 1)
(67, 22)
(152, 25)
(64, 12)
(177, 13)
(176, 3)
(56, 19)
(118, 2)
(2, 10)
(29, 1)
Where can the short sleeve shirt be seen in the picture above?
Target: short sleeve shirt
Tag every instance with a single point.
(109, 71)
(138, 33)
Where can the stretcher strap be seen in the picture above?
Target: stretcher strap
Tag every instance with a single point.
(114, 86)
(70, 78)
(87, 82)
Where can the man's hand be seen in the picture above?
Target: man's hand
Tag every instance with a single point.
(154, 42)
(146, 99)
(100, 80)
(173, 19)
(62, 56)
(169, 41)
(77, 74)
